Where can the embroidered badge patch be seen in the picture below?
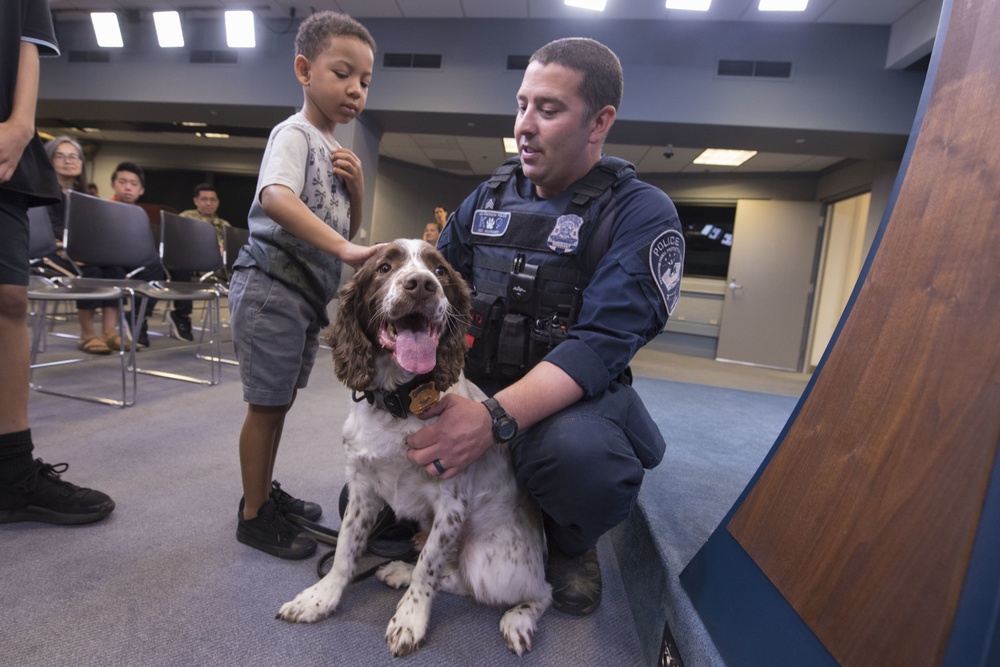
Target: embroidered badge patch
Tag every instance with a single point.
(666, 263)
(490, 223)
(565, 236)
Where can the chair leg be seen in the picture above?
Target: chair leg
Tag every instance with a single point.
(213, 318)
(39, 330)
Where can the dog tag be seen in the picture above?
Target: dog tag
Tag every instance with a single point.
(423, 397)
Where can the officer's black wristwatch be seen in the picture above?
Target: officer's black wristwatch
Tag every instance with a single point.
(504, 426)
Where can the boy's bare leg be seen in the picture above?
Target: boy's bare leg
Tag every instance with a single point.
(259, 441)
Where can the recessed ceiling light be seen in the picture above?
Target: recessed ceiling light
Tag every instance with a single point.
(782, 5)
(723, 157)
(689, 5)
(510, 145)
(168, 29)
(193, 123)
(107, 30)
(239, 30)
(596, 5)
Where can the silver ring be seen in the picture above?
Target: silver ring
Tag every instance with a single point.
(440, 468)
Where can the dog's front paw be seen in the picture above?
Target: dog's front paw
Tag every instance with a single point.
(309, 606)
(408, 627)
(518, 629)
(395, 574)
(402, 638)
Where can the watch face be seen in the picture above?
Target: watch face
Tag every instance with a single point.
(506, 430)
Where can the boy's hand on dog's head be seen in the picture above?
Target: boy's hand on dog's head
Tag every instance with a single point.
(356, 255)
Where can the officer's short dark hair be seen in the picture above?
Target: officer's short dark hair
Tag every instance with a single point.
(315, 33)
(130, 167)
(602, 81)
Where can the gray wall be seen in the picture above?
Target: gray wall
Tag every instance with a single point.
(839, 81)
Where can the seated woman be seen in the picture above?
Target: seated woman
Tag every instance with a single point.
(67, 160)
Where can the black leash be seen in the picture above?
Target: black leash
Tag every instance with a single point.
(389, 539)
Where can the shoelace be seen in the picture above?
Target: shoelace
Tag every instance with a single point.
(283, 499)
(30, 483)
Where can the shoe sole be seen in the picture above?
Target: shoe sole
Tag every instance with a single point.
(281, 552)
(575, 610)
(43, 515)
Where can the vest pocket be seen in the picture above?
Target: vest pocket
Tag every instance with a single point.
(512, 353)
(484, 334)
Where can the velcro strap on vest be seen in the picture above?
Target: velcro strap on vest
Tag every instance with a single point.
(608, 171)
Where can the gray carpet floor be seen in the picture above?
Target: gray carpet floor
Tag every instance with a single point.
(163, 580)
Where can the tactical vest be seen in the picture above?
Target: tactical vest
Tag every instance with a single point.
(530, 269)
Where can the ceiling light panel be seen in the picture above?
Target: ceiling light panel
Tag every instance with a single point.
(168, 29)
(107, 30)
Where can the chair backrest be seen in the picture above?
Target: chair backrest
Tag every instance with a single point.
(41, 238)
(108, 233)
(235, 238)
(188, 244)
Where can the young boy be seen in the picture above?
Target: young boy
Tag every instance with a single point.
(307, 206)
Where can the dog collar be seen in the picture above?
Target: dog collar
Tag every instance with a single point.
(412, 397)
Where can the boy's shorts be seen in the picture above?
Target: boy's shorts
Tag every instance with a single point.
(276, 335)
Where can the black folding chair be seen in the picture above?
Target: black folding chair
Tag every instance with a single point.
(43, 290)
(107, 233)
(191, 246)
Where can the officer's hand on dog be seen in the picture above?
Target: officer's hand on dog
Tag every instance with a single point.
(463, 431)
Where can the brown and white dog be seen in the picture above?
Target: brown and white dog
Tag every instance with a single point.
(399, 339)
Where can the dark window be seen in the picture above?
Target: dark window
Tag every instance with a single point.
(708, 237)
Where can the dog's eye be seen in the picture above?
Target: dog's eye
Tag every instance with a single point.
(384, 267)
(440, 272)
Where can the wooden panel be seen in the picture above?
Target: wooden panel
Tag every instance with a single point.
(865, 517)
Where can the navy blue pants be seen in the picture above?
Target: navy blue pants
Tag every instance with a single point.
(584, 465)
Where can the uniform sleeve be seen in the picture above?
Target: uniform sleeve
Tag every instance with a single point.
(38, 28)
(625, 305)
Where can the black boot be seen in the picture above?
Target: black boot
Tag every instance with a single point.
(576, 581)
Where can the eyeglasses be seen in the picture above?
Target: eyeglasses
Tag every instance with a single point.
(66, 157)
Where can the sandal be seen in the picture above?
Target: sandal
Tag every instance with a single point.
(114, 343)
(94, 345)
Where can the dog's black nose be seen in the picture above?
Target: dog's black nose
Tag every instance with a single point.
(420, 285)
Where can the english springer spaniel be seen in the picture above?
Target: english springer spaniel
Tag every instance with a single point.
(399, 341)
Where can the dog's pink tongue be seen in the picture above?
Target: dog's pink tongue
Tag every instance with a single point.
(416, 351)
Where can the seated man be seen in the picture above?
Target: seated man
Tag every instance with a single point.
(206, 202)
(128, 182)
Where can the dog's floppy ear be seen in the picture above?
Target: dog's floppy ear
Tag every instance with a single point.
(453, 344)
(353, 352)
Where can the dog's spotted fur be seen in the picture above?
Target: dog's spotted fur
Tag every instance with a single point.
(485, 537)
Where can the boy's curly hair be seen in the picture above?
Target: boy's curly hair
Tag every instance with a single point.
(315, 33)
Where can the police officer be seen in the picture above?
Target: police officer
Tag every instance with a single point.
(575, 264)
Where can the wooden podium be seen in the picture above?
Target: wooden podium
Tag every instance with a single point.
(871, 533)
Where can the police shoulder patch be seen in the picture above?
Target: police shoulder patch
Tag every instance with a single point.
(666, 264)
(490, 223)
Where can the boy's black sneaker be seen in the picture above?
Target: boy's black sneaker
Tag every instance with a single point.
(272, 533)
(287, 504)
(180, 327)
(40, 495)
(576, 581)
(142, 340)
